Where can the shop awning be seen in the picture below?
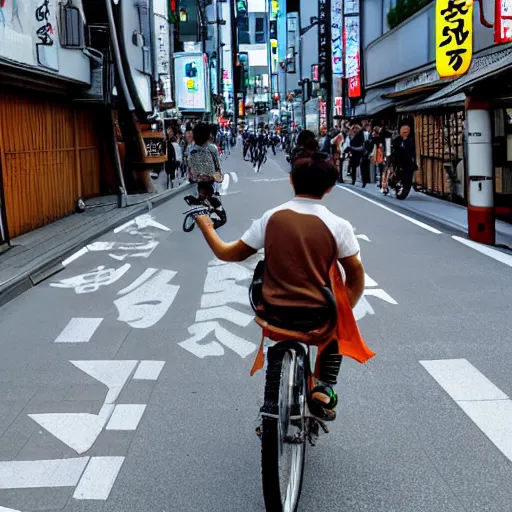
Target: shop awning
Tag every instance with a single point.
(451, 101)
(421, 89)
(481, 68)
(374, 103)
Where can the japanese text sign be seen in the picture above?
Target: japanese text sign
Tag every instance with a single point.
(454, 37)
(503, 22)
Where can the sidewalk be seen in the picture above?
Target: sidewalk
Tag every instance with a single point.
(443, 212)
(39, 254)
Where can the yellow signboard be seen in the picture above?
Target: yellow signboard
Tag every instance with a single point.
(454, 37)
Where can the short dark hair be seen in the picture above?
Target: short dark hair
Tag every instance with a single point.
(314, 176)
(304, 137)
(201, 133)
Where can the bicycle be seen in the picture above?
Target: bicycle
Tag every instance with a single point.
(287, 422)
(210, 206)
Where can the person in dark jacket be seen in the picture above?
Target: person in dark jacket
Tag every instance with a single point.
(403, 159)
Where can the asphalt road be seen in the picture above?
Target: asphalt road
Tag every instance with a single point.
(124, 379)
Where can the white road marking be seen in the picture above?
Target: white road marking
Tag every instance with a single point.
(3, 509)
(148, 370)
(380, 294)
(127, 250)
(368, 281)
(410, 219)
(224, 313)
(363, 237)
(114, 374)
(99, 478)
(146, 305)
(200, 331)
(234, 177)
(363, 308)
(235, 294)
(92, 281)
(77, 430)
(34, 474)
(126, 417)
(222, 278)
(75, 256)
(79, 330)
(135, 226)
(487, 405)
(139, 281)
(488, 251)
(462, 381)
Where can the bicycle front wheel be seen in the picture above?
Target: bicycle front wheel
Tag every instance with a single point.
(189, 223)
(283, 440)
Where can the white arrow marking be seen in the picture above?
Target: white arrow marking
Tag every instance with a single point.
(78, 430)
(139, 223)
(114, 374)
(363, 237)
(224, 313)
(368, 281)
(381, 294)
(362, 309)
(35, 474)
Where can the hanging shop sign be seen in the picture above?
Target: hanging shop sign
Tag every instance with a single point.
(274, 9)
(454, 37)
(337, 37)
(338, 106)
(315, 73)
(190, 82)
(322, 40)
(351, 7)
(503, 22)
(352, 56)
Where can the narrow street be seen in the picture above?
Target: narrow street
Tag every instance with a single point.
(125, 387)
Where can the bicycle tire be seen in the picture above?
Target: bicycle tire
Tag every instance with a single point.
(271, 429)
(186, 226)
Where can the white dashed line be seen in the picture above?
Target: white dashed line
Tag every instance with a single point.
(126, 417)
(79, 330)
(99, 478)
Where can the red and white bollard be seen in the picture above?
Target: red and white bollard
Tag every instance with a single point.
(481, 217)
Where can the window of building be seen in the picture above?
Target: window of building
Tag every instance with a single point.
(260, 30)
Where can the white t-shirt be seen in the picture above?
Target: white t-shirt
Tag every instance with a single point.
(341, 229)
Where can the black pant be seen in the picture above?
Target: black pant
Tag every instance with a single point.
(353, 164)
(365, 170)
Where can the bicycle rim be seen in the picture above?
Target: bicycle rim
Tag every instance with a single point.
(189, 223)
(283, 440)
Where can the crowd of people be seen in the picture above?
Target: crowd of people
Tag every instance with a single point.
(355, 146)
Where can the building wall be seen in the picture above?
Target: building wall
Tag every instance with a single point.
(308, 9)
(20, 20)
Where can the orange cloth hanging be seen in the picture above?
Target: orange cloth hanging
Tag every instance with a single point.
(346, 332)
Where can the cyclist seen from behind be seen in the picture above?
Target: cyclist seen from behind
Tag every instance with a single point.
(305, 244)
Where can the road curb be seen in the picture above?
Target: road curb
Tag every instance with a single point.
(52, 263)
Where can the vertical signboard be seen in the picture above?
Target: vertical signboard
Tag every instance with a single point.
(454, 37)
(46, 34)
(503, 22)
(337, 37)
(322, 41)
(190, 82)
(352, 49)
